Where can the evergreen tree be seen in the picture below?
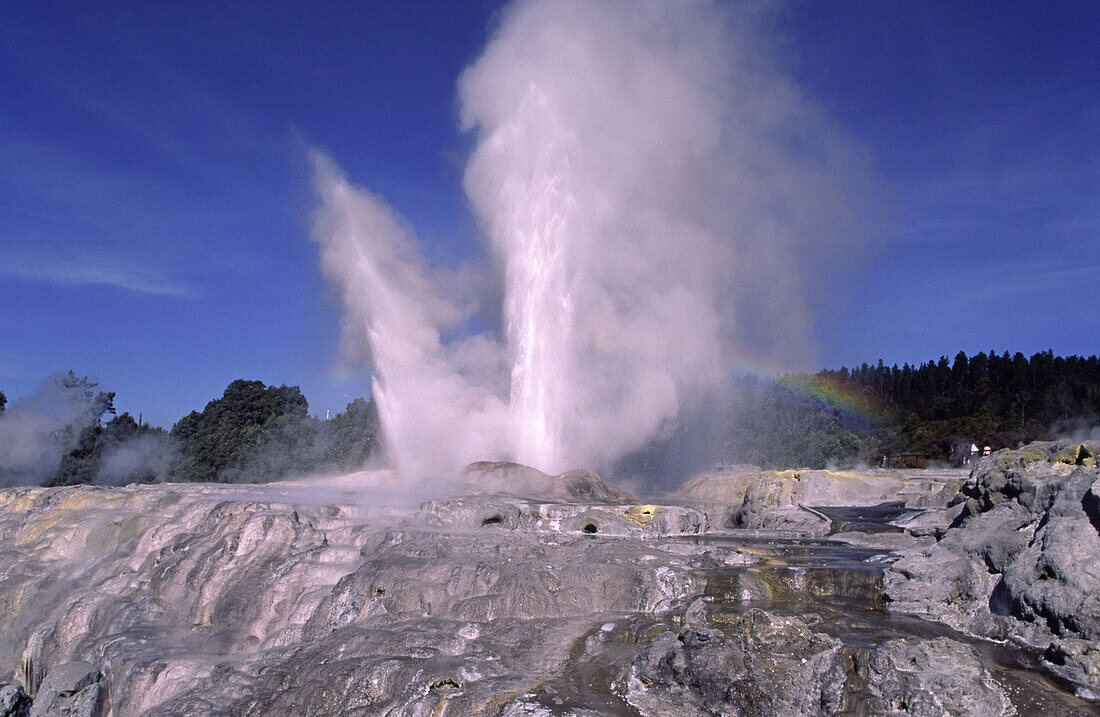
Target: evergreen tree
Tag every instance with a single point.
(937, 407)
(231, 426)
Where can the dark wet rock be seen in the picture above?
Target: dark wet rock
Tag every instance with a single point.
(14, 702)
(1079, 660)
(72, 689)
(694, 668)
(1020, 561)
(928, 679)
(763, 664)
(759, 664)
(1091, 503)
(900, 540)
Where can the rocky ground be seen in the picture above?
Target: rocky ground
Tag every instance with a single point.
(516, 593)
(1019, 559)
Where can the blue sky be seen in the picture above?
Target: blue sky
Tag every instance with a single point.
(155, 195)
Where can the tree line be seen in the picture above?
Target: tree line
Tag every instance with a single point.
(256, 433)
(939, 407)
(252, 433)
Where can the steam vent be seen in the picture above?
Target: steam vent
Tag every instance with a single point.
(760, 593)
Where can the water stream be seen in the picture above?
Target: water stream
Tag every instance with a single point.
(833, 587)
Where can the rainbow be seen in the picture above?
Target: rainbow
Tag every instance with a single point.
(843, 396)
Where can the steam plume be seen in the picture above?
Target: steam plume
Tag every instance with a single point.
(39, 429)
(435, 412)
(651, 187)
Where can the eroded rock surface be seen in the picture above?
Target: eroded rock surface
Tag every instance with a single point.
(72, 689)
(1020, 561)
(749, 498)
(313, 599)
(760, 664)
(929, 677)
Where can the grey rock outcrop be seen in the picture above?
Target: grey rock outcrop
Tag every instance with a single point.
(760, 665)
(929, 679)
(523, 481)
(72, 689)
(1020, 560)
(748, 498)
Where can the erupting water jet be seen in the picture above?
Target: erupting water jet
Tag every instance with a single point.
(642, 181)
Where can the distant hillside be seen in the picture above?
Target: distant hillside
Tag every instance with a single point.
(940, 407)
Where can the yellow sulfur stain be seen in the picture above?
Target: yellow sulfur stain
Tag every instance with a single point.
(642, 514)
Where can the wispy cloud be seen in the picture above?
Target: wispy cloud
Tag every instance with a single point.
(1027, 281)
(68, 269)
(67, 222)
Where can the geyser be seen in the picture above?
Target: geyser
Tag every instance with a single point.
(650, 185)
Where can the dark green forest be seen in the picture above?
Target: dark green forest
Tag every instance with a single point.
(937, 409)
(252, 433)
(257, 433)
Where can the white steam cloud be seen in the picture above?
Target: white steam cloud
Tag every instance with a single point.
(39, 429)
(657, 194)
(434, 412)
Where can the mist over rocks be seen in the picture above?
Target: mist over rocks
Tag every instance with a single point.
(37, 431)
(350, 596)
(524, 481)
